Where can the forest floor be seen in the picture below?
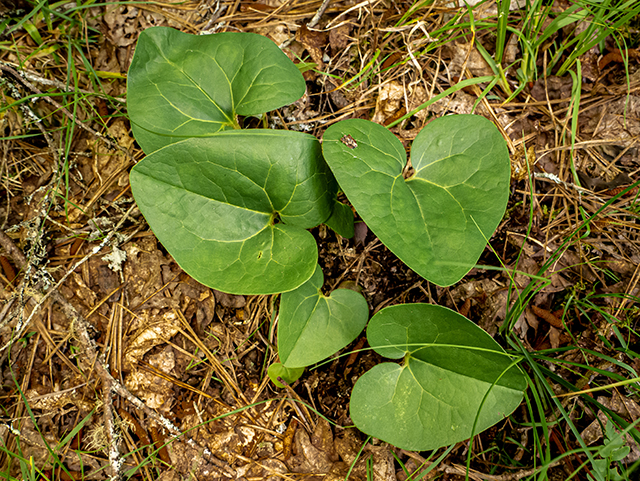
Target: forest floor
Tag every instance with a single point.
(115, 363)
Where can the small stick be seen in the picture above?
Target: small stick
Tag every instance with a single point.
(115, 460)
(316, 18)
(53, 82)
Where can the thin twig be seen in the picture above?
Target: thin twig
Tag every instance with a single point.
(52, 82)
(478, 476)
(115, 460)
(316, 18)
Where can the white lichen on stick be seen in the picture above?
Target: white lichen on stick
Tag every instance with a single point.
(116, 259)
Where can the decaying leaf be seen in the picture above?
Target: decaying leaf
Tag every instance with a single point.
(390, 98)
(339, 38)
(159, 330)
(623, 406)
(466, 55)
(330, 459)
(155, 391)
(314, 41)
(231, 301)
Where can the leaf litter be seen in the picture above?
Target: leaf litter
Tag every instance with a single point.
(196, 355)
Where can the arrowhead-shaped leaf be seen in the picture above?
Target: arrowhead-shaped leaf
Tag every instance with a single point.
(277, 370)
(232, 208)
(181, 85)
(312, 326)
(437, 221)
(433, 398)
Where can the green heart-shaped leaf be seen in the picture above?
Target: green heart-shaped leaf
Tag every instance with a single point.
(312, 326)
(341, 220)
(288, 375)
(437, 221)
(433, 398)
(232, 208)
(181, 85)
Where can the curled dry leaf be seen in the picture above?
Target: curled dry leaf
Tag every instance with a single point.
(348, 446)
(155, 391)
(314, 41)
(158, 331)
(390, 100)
(550, 317)
(463, 52)
(392, 103)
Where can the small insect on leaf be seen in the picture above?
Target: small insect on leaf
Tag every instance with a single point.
(349, 141)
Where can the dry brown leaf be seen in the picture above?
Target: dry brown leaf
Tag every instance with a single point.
(109, 161)
(120, 25)
(278, 32)
(314, 41)
(554, 337)
(626, 408)
(556, 88)
(460, 103)
(315, 454)
(489, 295)
(330, 459)
(390, 100)
(158, 331)
(230, 301)
(464, 52)
(547, 316)
(339, 38)
(155, 391)
(348, 446)
(590, 67)
(189, 462)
